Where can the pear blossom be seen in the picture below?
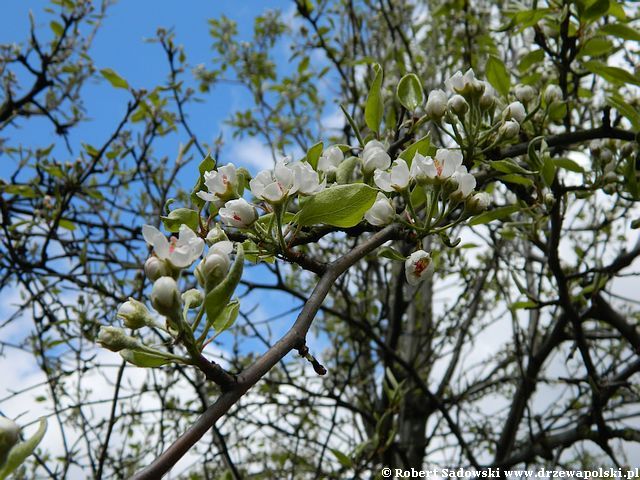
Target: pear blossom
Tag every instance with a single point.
(381, 212)
(397, 179)
(306, 179)
(479, 202)
(509, 129)
(193, 298)
(238, 213)
(458, 105)
(154, 268)
(525, 93)
(165, 296)
(274, 186)
(134, 314)
(466, 84)
(488, 98)
(416, 266)
(515, 111)
(552, 93)
(436, 104)
(375, 156)
(116, 339)
(466, 183)
(330, 159)
(181, 251)
(214, 267)
(441, 167)
(222, 184)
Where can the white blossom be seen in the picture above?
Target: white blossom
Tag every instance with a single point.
(181, 251)
(488, 98)
(397, 179)
(375, 157)
(515, 111)
(416, 266)
(466, 84)
(274, 185)
(221, 183)
(381, 212)
(466, 183)
(441, 167)
(238, 213)
(330, 159)
(436, 104)
(306, 179)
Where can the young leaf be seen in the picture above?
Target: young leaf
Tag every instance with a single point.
(568, 164)
(548, 171)
(218, 298)
(498, 75)
(613, 75)
(496, 214)
(410, 92)
(227, 317)
(391, 253)
(143, 359)
(313, 154)
(22, 450)
(344, 172)
(422, 146)
(114, 79)
(622, 31)
(181, 216)
(374, 109)
(340, 206)
(206, 165)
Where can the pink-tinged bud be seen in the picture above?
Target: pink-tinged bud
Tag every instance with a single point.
(165, 296)
(417, 266)
(238, 213)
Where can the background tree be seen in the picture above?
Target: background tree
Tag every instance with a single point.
(520, 350)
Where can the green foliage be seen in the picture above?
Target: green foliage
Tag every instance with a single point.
(409, 92)
(340, 206)
(374, 109)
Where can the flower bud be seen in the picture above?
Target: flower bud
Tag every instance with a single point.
(216, 234)
(165, 296)
(416, 266)
(238, 213)
(436, 105)
(525, 93)
(9, 436)
(381, 212)
(552, 93)
(479, 203)
(458, 105)
(610, 177)
(213, 269)
(134, 314)
(515, 111)
(115, 339)
(193, 298)
(595, 147)
(154, 268)
(488, 98)
(549, 200)
(509, 129)
(375, 157)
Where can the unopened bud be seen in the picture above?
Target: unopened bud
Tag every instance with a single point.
(552, 93)
(115, 339)
(154, 268)
(216, 234)
(193, 298)
(509, 129)
(165, 296)
(134, 314)
(479, 203)
(458, 105)
(9, 436)
(525, 93)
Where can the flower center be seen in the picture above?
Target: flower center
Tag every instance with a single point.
(420, 266)
(237, 217)
(172, 244)
(438, 166)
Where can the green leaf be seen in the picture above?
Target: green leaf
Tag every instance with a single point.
(56, 28)
(496, 214)
(67, 224)
(532, 58)
(498, 75)
(630, 112)
(206, 165)
(410, 92)
(227, 317)
(509, 166)
(313, 154)
(516, 178)
(391, 253)
(344, 172)
(143, 359)
(422, 146)
(114, 79)
(22, 450)
(179, 216)
(548, 171)
(353, 125)
(595, 10)
(340, 206)
(525, 304)
(613, 75)
(621, 30)
(374, 109)
(630, 174)
(342, 458)
(568, 164)
(217, 299)
(595, 47)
